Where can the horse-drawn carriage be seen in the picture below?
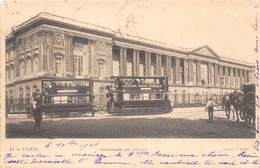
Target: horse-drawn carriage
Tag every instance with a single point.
(242, 103)
(138, 95)
(248, 103)
(63, 97)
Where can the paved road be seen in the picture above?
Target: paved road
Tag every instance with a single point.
(178, 124)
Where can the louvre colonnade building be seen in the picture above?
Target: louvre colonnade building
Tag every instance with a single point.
(52, 46)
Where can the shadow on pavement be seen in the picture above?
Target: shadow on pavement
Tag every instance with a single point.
(131, 128)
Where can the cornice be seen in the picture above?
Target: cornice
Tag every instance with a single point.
(45, 22)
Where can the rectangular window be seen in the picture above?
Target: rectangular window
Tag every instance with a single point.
(173, 66)
(59, 66)
(116, 63)
(141, 65)
(129, 68)
(204, 73)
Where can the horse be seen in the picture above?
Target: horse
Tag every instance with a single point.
(227, 105)
(236, 102)
(248, 107)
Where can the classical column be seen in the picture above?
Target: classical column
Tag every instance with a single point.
(16, 62)
(221, 76)
(226, 77)
(235, 76)
(191, 78)
(241, 76)
(246, 76)
(42, 55)
(177, 71)
(137, 53)
(198, 73)
(238, 77)
(158, 64)
(186, 71)
(122, 62)
(231, 78)
(210, 74)
(216, 83)
(134, 63)
(147, 63)
(168, 67)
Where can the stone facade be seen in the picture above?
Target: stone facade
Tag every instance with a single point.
(49, 46)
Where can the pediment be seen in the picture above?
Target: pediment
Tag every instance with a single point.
(205, 51)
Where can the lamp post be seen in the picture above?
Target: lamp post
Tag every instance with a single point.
(222, 87)
(203, 83)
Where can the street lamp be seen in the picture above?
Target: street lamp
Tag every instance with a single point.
(203, 83)
(222, 87)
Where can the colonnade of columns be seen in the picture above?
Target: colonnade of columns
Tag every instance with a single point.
(180, 71)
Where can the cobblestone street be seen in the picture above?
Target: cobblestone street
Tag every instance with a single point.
(188, 123)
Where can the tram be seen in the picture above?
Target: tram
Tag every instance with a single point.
(138, 95)
(66, 96)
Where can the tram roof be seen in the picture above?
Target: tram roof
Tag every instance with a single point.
(139, 77)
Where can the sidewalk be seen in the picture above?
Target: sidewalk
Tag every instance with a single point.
(102, 113)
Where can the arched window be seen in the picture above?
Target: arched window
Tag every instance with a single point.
(11, 94)
(59, 65)
(22, 68)
(7, 74)
(27, 95)
(204, 73)
(35, 66)
(11, 72)
(101, 67)
(28, 65)
(27, 92)
(78, 60)
(21, 96)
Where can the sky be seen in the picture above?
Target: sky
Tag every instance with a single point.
(224, 25)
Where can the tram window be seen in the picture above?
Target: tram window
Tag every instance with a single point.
(158, 96)
(69, 99)
(126, 96)
(152, 96)
(141, 97)
(56, 100)
(134, 96)
(146, 96)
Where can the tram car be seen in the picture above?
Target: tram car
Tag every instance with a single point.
(67, 96)
(138, 95)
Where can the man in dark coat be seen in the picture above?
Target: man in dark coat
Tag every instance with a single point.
(37, 112)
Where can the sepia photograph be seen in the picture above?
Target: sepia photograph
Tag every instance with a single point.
(129, 69)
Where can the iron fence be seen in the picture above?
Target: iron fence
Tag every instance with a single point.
(20, 105)
(14, 106)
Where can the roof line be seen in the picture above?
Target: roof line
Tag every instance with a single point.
(120, 35)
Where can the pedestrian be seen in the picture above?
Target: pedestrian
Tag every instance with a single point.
(210, 107)
(37, 113)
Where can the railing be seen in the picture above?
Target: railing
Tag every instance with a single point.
(14, 106)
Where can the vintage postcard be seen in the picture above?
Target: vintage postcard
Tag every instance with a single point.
(129, 83)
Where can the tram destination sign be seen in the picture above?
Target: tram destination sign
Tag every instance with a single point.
(67, 91)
